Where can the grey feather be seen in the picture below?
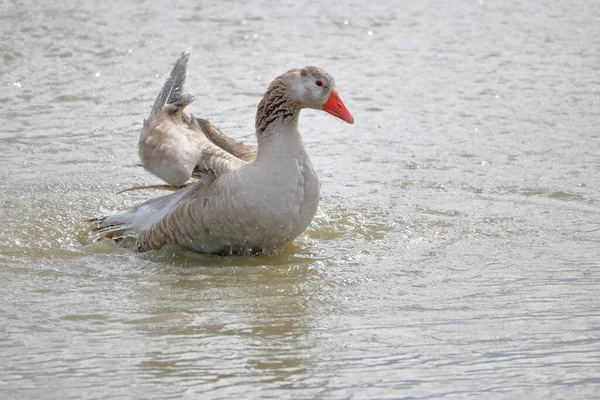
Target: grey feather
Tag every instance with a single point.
(172, 90)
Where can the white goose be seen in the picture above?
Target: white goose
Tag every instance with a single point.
(247, 199)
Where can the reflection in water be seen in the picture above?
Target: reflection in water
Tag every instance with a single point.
(250, 311)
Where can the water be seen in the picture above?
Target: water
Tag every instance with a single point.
(456, 252)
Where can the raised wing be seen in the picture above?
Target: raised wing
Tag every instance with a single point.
(172, 151)
(174, 146)
(235, 147)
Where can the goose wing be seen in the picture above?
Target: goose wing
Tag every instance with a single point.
(232, 146)
(173, 151)
(174, 146)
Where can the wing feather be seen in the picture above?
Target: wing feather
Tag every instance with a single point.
(173, 151)
(174, 146)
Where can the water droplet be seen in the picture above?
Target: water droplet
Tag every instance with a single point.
(345, 22)
(97, 73)
(255, 35)
(370, 33)
(17, 84)
(246, 37)
(130, 51)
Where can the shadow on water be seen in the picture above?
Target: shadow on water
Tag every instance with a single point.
(174, 255)
(251, 311)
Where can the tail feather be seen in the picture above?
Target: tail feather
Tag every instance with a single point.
(113, 231)
(135, 219)
(172, 90)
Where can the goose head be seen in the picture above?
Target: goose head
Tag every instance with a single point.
(313, 87)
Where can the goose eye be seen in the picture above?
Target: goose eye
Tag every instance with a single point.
(319, 83)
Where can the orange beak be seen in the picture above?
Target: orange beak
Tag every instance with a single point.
(336, 107)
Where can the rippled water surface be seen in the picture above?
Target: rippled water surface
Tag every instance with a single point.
(456, 253)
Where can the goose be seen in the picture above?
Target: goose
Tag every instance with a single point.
(246, 199)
